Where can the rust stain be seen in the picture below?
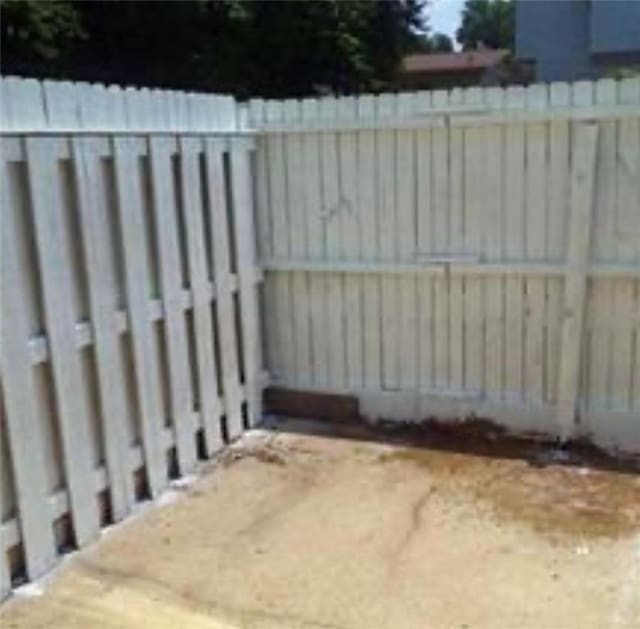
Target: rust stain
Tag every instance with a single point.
(556, 501)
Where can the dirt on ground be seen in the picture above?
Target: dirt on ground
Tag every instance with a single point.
(304, 526)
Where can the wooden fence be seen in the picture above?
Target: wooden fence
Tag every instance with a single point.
(130, 342)
(472, 252)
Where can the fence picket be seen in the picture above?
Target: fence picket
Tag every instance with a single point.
(407, 245)
(245, 249)
(440, 241)
(558, 188)
(514, 247)
(315, 246)
(280, 328)
(475, 199)
(210, 408)
(166, 227)
(135, 254)
(296, 230)
(456, 245)
(94, 225)
(349, 223)
(368, 214)
(26, 441)
(389, 310)
(582, 185)
(493, 250)
(42, 156)
(223, 279)
(535, 224)
(331, 215)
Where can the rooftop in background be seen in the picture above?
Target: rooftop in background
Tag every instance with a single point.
(470, 60)
(442, 70)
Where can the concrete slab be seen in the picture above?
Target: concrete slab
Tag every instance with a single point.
(312, 531)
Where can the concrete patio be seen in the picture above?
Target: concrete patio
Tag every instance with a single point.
(302, 527)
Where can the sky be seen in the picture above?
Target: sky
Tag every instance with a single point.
(444, 16)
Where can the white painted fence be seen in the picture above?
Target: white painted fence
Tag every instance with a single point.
(447, 253)
(457, 253)
(129, 308)
(31, 105)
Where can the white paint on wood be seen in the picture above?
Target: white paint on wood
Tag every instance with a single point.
(218, 221)
(207, 369)
(72, 411)
(581, 201)
(246, 258)
(166, 229)
(136, 276)
(25, 439)
(94, 225)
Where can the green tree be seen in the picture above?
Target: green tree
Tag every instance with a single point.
(487, 23)
(37, 33)
(441, 43)
(286, 48)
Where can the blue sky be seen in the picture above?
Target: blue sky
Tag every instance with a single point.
(444, 16)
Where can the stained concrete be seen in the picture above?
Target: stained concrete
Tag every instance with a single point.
(311, 531)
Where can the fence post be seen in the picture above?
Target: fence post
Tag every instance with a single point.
(585, 137)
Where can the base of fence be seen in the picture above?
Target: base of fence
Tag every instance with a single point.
(614, 431)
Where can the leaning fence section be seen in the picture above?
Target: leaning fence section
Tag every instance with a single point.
(458, 253)
(130, 344)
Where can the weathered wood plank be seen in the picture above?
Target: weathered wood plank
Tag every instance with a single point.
(581, 206)
(94, 225)
(207, 369)
(25, 439)
(247, 266)
(52, 242)
(166, 231)
(222, 271)
(134, 244)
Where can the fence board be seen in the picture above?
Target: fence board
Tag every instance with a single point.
(475, 196)
(26, 441)
(207, 369)
(493, 250)
(368, 216)
(558, 177)
(456, 284)
(424, 246)
(316, 243)
(94, 225)
(245, 249)
(281, 327)
(439, 225)
(51, 242)
(297, 237)
(387, 244)
(166, 228)
(582, 184)
(331, 215)
(536, 231)
(224, 296)
(407, 245)
(349, 221)
(136, 276)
